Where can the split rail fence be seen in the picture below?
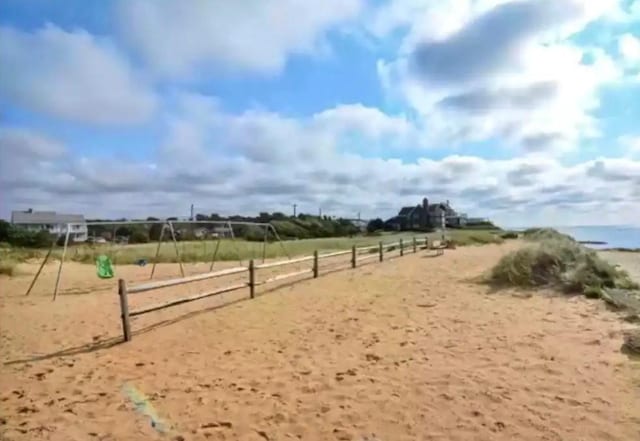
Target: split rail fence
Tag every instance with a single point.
(358, 255)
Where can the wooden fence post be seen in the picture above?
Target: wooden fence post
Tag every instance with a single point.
(252, 279)
(380, 252)
(315, 264)
(401, 248)
(124, 309)
(426, 242)
(415, 245)
(353, 256)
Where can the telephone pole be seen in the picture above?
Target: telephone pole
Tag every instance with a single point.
(294, 209)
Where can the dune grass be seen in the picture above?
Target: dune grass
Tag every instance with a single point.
(228, 250)
(557, 261)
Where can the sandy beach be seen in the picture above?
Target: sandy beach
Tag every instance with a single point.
(628, 261)
(409, 349)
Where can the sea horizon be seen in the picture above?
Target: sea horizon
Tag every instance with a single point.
(613, 236)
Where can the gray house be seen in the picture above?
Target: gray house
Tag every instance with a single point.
(426, 216)
(52, 222)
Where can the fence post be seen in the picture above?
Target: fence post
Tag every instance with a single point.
(401, 248)
(315, 264)
(124, 309)
(415, 245)
(353, 256)
(380, 252)
(426, 242)
(252, 279)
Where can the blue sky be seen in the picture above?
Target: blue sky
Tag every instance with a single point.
(524, 111)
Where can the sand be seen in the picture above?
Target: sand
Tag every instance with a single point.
(410, 349)
(628, 261)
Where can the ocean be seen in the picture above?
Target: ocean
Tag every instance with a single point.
(614, 236)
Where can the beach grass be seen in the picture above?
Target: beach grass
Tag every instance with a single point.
(230, 250)
(556, 260)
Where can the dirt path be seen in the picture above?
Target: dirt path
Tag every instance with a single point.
(411, 349)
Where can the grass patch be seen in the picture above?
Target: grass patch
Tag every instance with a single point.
(8, 267)
(558, 261)
(540, 234)
(473, 237)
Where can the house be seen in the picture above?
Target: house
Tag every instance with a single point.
(425, 216)
(52, 222)
(222, 231)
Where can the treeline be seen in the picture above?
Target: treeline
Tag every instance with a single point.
(21, 237)
(303, 226)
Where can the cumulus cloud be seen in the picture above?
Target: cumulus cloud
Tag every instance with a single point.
(232, 178)
(629, 49)
(71, 76)
(176, 37)
(504, 70)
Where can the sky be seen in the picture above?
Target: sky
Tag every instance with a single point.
(523, 111)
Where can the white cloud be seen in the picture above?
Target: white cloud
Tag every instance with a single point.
(72, 76)
(263, 161)
(629, 49)
(178, 37)
(502, 70)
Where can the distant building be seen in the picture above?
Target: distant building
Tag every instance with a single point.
(426, 216)
(52, 222)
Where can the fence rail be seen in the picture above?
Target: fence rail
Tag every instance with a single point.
(355, 252)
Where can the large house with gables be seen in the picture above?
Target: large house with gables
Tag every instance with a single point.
(426, 216)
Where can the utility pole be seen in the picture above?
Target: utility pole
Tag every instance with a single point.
(294, 209)
(192, 212)
(320, 213)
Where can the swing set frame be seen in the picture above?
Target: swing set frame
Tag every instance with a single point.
(166, 226)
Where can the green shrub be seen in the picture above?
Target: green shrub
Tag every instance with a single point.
(509, 235)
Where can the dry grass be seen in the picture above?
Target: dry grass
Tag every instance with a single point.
(560, 263)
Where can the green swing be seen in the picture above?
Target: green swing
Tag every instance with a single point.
(104, 267)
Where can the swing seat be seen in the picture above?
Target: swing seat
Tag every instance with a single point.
(104, 267)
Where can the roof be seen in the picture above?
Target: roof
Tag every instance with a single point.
(44, 217)
(406, 211)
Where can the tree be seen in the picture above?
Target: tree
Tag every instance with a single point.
(375, 225)
(154, 231)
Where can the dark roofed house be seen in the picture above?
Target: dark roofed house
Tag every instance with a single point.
(52, 222)
(425, 216)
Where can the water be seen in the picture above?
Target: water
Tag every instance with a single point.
(614, 236)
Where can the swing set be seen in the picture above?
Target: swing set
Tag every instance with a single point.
(104, 262)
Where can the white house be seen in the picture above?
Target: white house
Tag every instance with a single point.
(52, 222)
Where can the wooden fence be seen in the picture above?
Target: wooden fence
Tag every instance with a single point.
(357, 255)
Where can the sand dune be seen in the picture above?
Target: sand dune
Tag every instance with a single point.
(410, 349)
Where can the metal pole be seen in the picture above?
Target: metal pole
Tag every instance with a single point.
(415, 245)
(124, 309)
(175, 245)
(215, 253)
(64, 252)
(235, 244)
(44, 262)
(275, 233)
(401, 248)
(380, 255)
(155, 259)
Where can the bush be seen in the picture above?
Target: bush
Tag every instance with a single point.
(563, 264)
(509, 235)
(138, 236)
